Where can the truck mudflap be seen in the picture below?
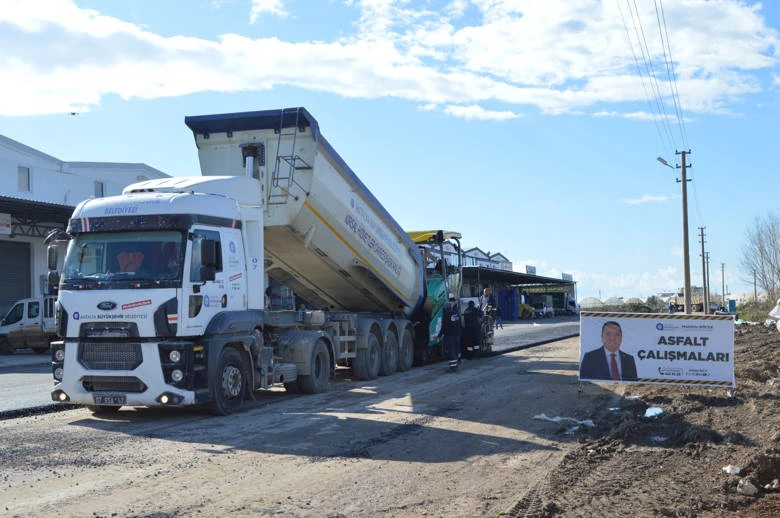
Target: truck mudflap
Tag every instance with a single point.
(92, 381)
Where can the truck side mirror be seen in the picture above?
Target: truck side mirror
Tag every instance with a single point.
(207, 273)
(208, 253)
(53, 282)
(51, 257)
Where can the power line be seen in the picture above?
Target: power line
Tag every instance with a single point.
(648, 58)
(654, 110)
(670, 70)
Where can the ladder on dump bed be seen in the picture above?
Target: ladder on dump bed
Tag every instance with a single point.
(291, 123)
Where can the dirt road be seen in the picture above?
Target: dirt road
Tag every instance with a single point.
(421, 443)
(424, 442)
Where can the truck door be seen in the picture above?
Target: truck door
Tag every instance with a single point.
(33, 332)
(14, 325)
(205, 298)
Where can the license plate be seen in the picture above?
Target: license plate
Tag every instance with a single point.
(109, 399)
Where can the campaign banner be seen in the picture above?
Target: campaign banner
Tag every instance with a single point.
(657, 348)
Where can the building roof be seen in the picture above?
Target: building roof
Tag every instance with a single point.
(506, 277)
(499, 257)
(36, 210)
(476, 252)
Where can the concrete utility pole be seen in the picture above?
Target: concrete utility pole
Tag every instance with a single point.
(686, 253)
(723, 284)
(704, 272)
(707, 298)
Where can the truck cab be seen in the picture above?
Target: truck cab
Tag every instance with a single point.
(28, 324)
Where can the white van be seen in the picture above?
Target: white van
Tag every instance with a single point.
(29, 324)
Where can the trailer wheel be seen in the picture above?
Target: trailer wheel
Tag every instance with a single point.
(406, 352)
(318, 378)
(103, 409)
(366, 365)
(389, 355)
(5, 346)
(229, 383)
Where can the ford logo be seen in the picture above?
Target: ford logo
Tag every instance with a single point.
(106, 305)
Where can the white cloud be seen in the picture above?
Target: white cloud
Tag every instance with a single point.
(474, 112)
(558, 56)
(274, 7)
(646, 198)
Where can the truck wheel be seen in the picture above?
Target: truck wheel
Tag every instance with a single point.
(318, 378)
(103, 409)
(5, 346)
(366, 365)
(389, 355)
(406, 352)
(229, 383)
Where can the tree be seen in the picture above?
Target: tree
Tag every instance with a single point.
(761, 254)
(655, 303)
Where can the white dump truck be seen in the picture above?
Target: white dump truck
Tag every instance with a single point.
(162, 291)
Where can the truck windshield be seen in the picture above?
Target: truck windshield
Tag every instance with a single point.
(106, 256)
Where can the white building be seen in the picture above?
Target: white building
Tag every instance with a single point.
(476, 257)
(38, 193)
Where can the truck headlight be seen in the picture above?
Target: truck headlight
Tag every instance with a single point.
(177, 375)
(174, 356)
(59, 355)
(58, 374)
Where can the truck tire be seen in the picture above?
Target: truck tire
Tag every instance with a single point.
(229, 383)
(366, 365)
(5, 346)
(103, 409)
(406, 351)
(318, 378)
(389, 355)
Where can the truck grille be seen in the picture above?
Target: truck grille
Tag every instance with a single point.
(112, 384)
(110, 356)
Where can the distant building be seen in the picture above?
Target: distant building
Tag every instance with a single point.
(38, 193)
(591, 303)
(476, 257)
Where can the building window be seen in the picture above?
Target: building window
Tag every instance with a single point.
(24, 178)
(98, 189)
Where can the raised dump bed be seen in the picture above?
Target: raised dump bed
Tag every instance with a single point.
(326, 235)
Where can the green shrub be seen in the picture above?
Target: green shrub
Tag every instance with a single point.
(754, 311)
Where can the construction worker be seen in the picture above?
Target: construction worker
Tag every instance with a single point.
(451, 331)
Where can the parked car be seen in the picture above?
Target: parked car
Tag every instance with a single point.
(29, 324)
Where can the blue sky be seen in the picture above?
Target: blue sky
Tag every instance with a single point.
(532, 127)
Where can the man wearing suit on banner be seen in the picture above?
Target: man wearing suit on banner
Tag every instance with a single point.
(609, 362)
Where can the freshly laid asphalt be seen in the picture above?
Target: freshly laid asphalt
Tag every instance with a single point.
(26, 380)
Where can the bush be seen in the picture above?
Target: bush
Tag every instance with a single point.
(754, 311)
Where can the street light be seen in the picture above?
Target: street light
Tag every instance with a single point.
(664, 162)
(686, 254)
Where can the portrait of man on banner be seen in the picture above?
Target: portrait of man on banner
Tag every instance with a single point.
(608, 362)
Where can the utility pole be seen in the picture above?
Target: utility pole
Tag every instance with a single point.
(707, 298)
(704, 273)
(686, 253)
(723, 283)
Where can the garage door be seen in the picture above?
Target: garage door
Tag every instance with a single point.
(14, 273)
